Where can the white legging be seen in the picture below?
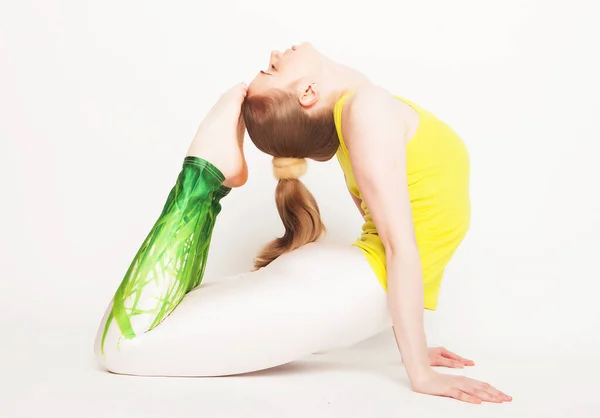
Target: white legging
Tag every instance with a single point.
(318, 297)
(163, 321)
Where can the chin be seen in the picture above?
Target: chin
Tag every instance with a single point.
(306, 44)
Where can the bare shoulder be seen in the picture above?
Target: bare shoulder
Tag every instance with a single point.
(369, 99)
(370, 93)
(371, 109)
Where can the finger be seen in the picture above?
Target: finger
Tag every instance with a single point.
(484, 396)
(463, 396)
(495, 392)
(446, 362)
(450, 354)
(487, 397)
(467, 362)
(454, 356)
(482, 390)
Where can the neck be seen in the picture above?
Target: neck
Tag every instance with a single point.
(343, 80)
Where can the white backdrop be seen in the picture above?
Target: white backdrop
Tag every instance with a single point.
(100, 99)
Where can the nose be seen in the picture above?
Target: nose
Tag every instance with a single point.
(275, 55)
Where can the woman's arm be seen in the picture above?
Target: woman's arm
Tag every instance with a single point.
(374, 130)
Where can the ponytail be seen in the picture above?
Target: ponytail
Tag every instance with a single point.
(297, 208)
(279, 126)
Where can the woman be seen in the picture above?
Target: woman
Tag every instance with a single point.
(408, 174)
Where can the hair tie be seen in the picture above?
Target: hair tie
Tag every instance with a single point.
(288, 168)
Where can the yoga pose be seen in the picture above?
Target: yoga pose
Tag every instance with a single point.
(408, 173)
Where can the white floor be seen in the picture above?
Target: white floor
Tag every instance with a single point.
(56, 376)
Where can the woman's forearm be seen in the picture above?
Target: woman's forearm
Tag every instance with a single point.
(405, 299)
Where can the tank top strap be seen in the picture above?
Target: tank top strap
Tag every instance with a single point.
(337, 118)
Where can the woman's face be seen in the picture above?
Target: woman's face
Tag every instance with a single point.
(287, 68)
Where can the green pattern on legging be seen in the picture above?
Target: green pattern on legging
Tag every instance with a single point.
(172, 258)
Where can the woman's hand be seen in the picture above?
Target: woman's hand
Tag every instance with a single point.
(458, 387)
(439, 356)
(220, 137)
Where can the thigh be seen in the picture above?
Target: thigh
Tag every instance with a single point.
(308, 300)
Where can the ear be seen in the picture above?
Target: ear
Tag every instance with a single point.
(309, 95)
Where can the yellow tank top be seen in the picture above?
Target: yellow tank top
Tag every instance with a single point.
(438, 171)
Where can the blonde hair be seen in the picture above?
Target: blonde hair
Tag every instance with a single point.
(288, 168)
(279, 126)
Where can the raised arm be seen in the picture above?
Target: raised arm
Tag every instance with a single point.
(374, 130)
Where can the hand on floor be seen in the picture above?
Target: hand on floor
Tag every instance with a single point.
(458, 387)
(439, 356)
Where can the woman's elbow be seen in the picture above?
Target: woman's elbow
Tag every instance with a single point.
(405, 248)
